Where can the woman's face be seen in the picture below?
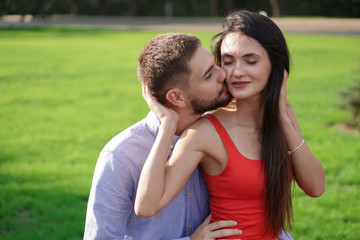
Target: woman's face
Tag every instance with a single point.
(246, 63)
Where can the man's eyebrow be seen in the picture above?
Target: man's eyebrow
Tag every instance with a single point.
(207, 71)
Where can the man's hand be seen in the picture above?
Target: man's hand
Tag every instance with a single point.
(215, 230)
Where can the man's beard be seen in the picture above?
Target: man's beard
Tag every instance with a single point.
(201, 106)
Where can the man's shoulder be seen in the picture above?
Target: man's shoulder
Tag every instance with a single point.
(131, 144)
(130, 137)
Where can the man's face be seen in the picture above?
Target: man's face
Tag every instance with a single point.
(208, 89)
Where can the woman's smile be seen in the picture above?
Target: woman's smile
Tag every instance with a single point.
(240, 84)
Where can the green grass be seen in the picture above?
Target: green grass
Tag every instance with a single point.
(65, 92)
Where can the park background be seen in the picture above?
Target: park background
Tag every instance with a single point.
(68, 84)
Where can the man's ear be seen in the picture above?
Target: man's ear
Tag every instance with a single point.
(176, 97)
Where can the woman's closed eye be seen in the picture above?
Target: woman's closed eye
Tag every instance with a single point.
(227, 63)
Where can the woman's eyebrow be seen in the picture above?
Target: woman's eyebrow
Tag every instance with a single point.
(226, 55)
(250, 55)
(245, 55)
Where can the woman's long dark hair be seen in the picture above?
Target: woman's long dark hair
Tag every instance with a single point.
(278, 200)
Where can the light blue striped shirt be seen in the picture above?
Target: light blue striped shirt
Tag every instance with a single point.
(110, 213)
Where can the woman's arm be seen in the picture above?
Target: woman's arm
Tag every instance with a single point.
(308, 171)
(161, 180)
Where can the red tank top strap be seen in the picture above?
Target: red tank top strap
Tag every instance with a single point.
(228, 143)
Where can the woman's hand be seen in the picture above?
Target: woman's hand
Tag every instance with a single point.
(283, 103)
(162, 112)
(287, 114)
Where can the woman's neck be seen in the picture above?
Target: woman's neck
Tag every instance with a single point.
(249, 113)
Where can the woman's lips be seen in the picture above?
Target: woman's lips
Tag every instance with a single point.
(239, 84)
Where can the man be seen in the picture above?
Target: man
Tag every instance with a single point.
(182, 75)
(167, 59)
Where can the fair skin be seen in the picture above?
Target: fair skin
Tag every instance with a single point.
(247, 66)
(206, 80)
(239, 53)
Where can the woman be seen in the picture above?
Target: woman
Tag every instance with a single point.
(250, 152)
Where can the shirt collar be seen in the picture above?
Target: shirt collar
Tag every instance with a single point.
(154, 123)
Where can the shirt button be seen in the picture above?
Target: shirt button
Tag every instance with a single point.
(189, 226)
(190, 194)
(171, 147)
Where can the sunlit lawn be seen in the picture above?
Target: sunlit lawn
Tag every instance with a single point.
(65, 92)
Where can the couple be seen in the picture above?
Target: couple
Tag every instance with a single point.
(259, 124)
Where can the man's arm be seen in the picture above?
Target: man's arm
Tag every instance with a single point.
(109, 203)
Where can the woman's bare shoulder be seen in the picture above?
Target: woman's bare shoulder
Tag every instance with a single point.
(202, 126)
(200, 132)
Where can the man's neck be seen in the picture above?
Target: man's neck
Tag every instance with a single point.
(186, 119)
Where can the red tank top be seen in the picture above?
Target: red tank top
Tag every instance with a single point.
(238, 193)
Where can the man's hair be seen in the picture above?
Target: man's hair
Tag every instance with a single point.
(163, 63)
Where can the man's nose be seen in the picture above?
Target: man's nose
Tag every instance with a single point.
(222, 74)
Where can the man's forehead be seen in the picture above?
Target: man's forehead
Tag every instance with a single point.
(201, 61)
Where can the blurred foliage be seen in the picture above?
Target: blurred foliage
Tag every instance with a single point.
(186, 8)
(350, 100)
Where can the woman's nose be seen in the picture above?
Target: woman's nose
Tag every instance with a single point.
(239, 71)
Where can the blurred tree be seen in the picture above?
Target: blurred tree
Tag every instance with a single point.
(328, 8)
(214, 7)
(133, 7)
(102, 6)
(4, 7)
(73, 7)
(350, 100)
(198, 10)
(275, 8)
(229, 5)
(21, 7)
(169, 8)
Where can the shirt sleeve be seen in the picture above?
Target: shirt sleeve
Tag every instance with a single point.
(110, 202)
(285, 236)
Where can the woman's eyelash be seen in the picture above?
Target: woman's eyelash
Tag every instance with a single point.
(248, 62)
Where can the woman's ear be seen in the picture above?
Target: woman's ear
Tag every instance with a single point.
(176, 97)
